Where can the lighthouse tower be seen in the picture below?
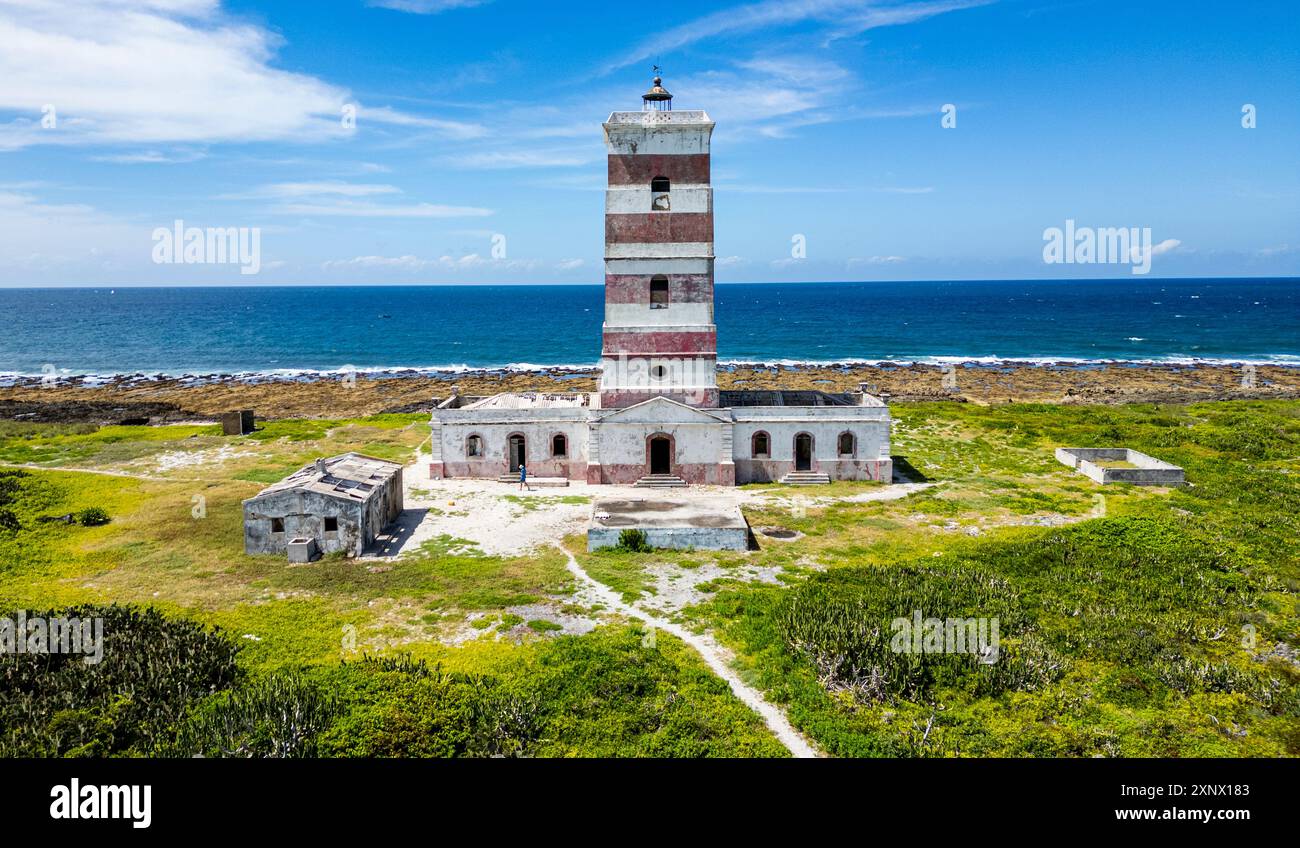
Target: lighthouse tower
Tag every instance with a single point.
(659, 338)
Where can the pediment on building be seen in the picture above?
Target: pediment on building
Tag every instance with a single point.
(662, 410)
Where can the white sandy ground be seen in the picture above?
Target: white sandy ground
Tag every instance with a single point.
(483, 512)
(172, 460)
(502, 520)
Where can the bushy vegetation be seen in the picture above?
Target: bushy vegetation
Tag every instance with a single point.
(633, 541)
(92, 516)
(1143, 623)
(841, 622)
(1162, 624)
(278, 716)
(150, 671)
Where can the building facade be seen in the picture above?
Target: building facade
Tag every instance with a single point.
(342, 503)
(658, 412)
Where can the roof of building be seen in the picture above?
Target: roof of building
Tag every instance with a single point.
(350, 475)
(787, 397)
(532, 400)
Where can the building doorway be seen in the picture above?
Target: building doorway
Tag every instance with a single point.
(661, 461)
(516, 451)
(803, 452)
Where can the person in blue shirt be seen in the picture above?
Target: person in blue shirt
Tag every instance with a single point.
(523, 476)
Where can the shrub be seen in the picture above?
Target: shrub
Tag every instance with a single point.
(841, 623)
(278, 717)
(92, 516)
(152, 669)
(633, 541)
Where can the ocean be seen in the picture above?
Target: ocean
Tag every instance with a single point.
(300, 330)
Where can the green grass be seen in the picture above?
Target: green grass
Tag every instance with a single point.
(1163, 612)
(1163, 608)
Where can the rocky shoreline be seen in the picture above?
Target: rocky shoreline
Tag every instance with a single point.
(138, 398)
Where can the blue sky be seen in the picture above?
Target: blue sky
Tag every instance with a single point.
(481, 120)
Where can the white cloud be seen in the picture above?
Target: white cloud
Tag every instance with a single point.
(876, 260)
(426, 7)
(367, 209)
(159, 71)
(469, 263)
(43, 238)
(315, 189)
(845, 17)
(507, 159)
(1137, 253)
(450, 129)
(151, 157)
(339, 198)
(164, 71)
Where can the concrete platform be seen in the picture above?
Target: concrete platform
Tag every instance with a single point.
(712, 524)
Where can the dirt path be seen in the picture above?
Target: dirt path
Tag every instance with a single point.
(714, 655)
(103, 471)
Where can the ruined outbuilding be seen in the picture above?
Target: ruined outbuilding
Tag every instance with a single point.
(340, 503)
(659, 418)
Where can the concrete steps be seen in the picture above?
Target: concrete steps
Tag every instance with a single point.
(660, 481)
(805, 478)
(535, 482)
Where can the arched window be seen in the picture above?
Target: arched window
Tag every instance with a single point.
(474, 446)
(658, 292)
(847, 444)
(659, 194)
(762, 446)
(559, 445)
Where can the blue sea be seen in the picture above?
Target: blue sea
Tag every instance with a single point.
(299, 330)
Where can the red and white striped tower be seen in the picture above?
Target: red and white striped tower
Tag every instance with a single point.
(659, 337)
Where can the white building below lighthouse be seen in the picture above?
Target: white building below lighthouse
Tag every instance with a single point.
(659, 417)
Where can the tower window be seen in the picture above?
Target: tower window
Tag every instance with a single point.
(658, 292)
(659, 188)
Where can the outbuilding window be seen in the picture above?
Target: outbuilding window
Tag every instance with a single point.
(474, 446)
(846, 444)
(277, 525)
(762, 446)
(559, 445)
(331, 525)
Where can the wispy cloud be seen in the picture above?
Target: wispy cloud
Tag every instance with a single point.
(357, 200)
(470, 262)
(151, 72)
(841, 17)
(426, 7)
(507, 159)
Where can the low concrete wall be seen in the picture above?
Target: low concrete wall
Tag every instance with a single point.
(677, 538)
(1149, 471)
